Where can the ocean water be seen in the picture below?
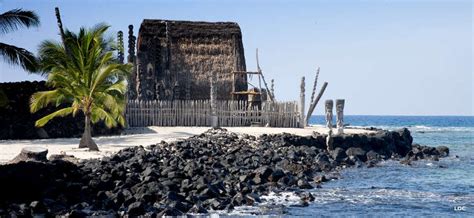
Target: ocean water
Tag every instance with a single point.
(427, 188)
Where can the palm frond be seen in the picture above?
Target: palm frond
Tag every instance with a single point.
(120, 87)
(110, 70)
(52, 55)
(112, 103)
(59, 113)
(42, 99)
(14, 19)
(18, 56)
(100, 114)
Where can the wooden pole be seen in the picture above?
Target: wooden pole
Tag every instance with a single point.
(61, 30)
(233, 86)
(272, 98)
(272, 87)
(328, 112)
(314, 86)
(315, 102)
(302, 99)
(131, 45)
(259, 78)
(131, 59)
(214, 118)
(60, 24)
(340, 116)
(120, 46)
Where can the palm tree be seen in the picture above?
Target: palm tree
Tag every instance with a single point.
(13, 20)
(86, 76)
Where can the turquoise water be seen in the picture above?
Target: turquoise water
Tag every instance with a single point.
(427, 188)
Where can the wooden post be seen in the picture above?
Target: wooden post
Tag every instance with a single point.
(302, 98)
(214, 120)
(233, 86)
(188, 86)
(272, 89)
(131, 45)
(132, 82)
(340, 116)
(120, 46)
(328, 109)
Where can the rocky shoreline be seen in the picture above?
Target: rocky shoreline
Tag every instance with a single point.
(216, 170)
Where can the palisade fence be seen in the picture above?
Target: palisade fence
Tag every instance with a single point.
(198, 113)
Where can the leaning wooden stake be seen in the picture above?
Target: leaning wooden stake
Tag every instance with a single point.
(315, 102)
(272, 97)
(314, 86)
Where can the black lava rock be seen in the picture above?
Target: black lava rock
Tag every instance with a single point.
(216, 170)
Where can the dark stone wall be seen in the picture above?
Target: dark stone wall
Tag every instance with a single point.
(16, 121)
(384, 142)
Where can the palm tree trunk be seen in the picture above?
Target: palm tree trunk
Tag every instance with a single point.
(86, 140)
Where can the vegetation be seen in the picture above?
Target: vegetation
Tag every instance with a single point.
(84, 74)
(13, 20)
(10, 21)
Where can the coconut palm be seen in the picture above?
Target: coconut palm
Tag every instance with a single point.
(13, 20)
(86, 76)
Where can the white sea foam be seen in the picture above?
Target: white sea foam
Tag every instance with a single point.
(284, 198)
(271, 202)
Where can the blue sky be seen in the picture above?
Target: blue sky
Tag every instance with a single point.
(383, 57)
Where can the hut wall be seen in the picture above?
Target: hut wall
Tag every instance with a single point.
(175, 59)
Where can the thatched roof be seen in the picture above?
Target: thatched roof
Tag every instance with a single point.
(175, 59)
(179, 29)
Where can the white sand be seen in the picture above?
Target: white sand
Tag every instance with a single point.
(138, 136)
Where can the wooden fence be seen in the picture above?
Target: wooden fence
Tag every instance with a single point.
(198, 113)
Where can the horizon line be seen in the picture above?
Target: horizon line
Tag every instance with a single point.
(401, 115)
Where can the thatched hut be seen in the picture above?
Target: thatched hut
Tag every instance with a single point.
(175, 60)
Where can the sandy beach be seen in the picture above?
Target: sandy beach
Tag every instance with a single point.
(139, 136)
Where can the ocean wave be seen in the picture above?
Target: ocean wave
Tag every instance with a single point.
(376, 195)
(413, 128)
(423, 129)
